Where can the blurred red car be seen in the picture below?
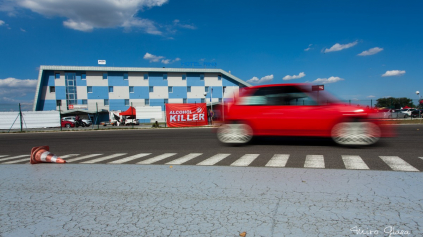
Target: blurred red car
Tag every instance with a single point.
(68, 124)
(297, 110)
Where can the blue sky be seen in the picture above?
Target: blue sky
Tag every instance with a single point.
(359, 49)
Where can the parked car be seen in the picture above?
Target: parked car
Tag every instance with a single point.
(395, 113)
(407, 112)
(416, 114)
(85, 122)
(67, 124)
(297, 110)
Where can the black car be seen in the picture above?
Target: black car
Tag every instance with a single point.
(415, 113)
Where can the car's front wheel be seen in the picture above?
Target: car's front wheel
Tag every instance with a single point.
(235, 133)
(356, 133)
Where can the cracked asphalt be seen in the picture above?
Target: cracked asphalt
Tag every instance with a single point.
(158, 200)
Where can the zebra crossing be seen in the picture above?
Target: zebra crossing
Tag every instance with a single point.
(351, 162)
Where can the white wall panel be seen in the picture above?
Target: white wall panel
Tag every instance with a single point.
(196, 92)
(119, 92)
(137, 102)
(92, 106)
(63, 107)
(230, 91)
(212, 80)
(47, 95)
(61, 81)
(32, 119)
(176, 101)
(175, 79)
(81, 92)
(160, 92)
(137, 79)
(96, 79)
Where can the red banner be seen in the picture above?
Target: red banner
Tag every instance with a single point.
(186, 115)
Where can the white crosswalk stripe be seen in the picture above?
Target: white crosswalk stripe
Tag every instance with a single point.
(184, 159)
(354, 163)
(129, 158)
(245, 160)
(397, 163)
(314, 161)
(83, 157)
(14, 157)
(28, 159)
(155, 159)
(214, 159)
(3, 156)
(103, 158)
(278, 160)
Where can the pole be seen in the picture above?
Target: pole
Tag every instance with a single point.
(132, 116)
(164, 107)
(60, 116)
(20, 115)
(223, 106)
(96, 108)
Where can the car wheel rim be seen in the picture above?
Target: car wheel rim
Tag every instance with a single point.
(235, 133)
(356, 133)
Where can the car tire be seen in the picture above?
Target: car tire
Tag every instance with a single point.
(238, 133)
(356, 133)
(406, 116)
(67, 125)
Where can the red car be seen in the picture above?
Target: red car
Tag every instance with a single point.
(68, 124)
(297, 110)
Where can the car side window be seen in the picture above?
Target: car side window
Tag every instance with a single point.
(284, 96)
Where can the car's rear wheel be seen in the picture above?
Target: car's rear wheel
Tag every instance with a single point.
(67, 125)
(356, 133)
(235, 133)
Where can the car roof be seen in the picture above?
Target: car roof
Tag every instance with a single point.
(284, 84)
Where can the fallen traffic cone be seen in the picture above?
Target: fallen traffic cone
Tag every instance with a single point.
(42, 154)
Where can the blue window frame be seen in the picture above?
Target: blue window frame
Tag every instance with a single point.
(110, 88)
(188, 89)
(146, 76)
(89, 89)
(84, 102)
(131, 89)
(151, 88)
(224, 89)
(202, 77)
(206, 89)
(83, 76)
(203, 100)
(58, 103)
(164, 76)
(170, 89)
(147, 102)
(219, 77)
(52, 89)
(104, 75)
(57, 76)
(166, 101)
(106, 101)
(220, 100)
(184, 77)
(126, 102)
(125, 76)
(184, 100)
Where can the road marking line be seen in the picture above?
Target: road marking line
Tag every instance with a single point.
(83, 157)
(314, 161)
(354, 163)
(13, 157)
(278, 160)
(26, 159)
(155, 159)
(3, 156)
(245, 160)
(103, 158)
(214, 159)
(397, 163)
(184, 159)
(129, 158)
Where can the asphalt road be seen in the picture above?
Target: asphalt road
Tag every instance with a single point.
(181, 142)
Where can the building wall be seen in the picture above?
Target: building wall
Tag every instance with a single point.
(93, 89)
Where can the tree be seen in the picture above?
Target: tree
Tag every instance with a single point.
(394, 103)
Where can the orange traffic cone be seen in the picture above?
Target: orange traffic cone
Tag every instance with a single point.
(41, 154)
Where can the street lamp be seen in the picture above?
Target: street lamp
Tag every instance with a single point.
(418, 105)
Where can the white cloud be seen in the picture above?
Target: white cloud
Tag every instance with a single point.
(86, 15)
(17, 83)
(255, 80)
(152, 58)
(371, 51)
(1, 22)
(288, 77)
(14, 90)
(339, 47)
(186, 26)
(23, 30)
(371, 96)
(327, 80)
(309, 47)
(393, 73)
